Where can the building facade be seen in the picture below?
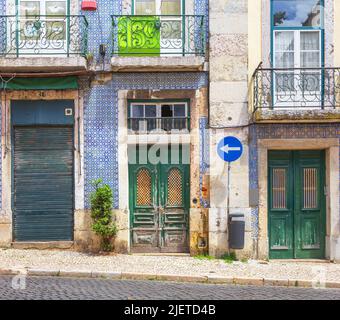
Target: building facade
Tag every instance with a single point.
(139, 93)
(89, 95)
(274, 84)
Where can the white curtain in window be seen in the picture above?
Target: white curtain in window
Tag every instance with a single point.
(145, 7)
(284, 49)
(310, 49)
(171, 7)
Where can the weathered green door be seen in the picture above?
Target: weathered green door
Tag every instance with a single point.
(159, 204)
(296, 204)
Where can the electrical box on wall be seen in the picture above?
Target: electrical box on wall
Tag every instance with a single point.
(89, 5)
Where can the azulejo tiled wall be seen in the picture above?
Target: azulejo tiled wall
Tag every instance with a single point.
(101, 120)
(282, 131)
(2, 7)
(100, 25)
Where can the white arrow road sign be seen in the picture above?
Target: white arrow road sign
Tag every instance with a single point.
(228, 149)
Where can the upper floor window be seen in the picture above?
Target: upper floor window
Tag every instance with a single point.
(158, 116)
(158, 7)
(297, 13)
(297, 52)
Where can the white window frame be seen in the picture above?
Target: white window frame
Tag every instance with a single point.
(158, 115)
(27, 51)
(297, 64)
(164, 50)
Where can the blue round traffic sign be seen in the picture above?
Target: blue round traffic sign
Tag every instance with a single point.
(230, 149)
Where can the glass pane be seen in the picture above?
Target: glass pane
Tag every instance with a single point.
(55, 31)
(310, 199)
(137, 111)
(145, 7)
(29, 8)
(296, 13)
(150, 111)
(284, 41)
(310, 59)
(56, 8)
(172, 30)
(279, 189)
(167, 111)
(171, 7)
(310, 40)
(179, 110)
(311, 83)
(284, 81)
(284, 60)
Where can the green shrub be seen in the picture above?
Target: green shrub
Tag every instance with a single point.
(229, 258)
(101, 214)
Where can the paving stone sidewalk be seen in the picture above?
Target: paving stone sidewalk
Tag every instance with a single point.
(70, 263)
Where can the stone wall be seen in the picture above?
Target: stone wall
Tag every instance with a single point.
(228, 117)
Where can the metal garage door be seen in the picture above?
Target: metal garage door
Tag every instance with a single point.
(43, 183)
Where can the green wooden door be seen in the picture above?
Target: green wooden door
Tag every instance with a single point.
(159, 205)
(296, 204)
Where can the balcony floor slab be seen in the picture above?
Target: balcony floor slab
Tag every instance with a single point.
(298, 115)
(42, 64)
(158, 64)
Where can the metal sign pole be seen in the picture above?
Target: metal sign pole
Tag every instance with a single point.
(228, 197)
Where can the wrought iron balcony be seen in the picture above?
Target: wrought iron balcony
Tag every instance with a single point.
(182, 35)
(43, 35)
(298, 88)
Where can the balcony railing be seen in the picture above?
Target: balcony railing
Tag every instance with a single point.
(159, 125)
(159, 35)
(296, 88)
(43, 35)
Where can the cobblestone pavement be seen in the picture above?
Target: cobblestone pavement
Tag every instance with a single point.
(75, 289)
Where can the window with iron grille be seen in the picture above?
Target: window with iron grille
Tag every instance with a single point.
(159, 116)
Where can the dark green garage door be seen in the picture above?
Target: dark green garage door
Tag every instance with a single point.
(43, 183)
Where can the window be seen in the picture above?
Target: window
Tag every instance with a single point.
(158, 117)
(297, 13)
(170, 22)
(42, 24)
(158, 7)
(297, 51)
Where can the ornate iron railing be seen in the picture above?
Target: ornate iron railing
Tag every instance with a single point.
(158, 125)
(43, 35)
(159, 35)
(296, 88)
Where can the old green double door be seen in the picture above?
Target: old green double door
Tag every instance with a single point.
(296, 204)
(159, 203)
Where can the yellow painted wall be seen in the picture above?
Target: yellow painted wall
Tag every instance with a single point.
(254, 43)
(254, 35)
(337, 33)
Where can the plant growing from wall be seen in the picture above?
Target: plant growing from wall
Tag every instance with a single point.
(101, 212)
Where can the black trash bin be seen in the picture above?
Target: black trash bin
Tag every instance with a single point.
(236, 230)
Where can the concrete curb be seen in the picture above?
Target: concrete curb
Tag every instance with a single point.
(171, 277)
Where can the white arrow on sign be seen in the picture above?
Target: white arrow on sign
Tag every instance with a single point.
(228, 149)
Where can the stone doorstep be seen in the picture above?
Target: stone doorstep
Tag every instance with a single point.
(171, 277)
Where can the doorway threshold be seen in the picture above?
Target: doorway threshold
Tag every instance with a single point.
(162, 254)
(301, 260)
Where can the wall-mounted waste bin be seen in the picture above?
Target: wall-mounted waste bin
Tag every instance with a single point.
(236, 230)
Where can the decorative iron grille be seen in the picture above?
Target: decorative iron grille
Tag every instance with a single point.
(276, 88)
(159, 125)
(43, 35)
(159, 35)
